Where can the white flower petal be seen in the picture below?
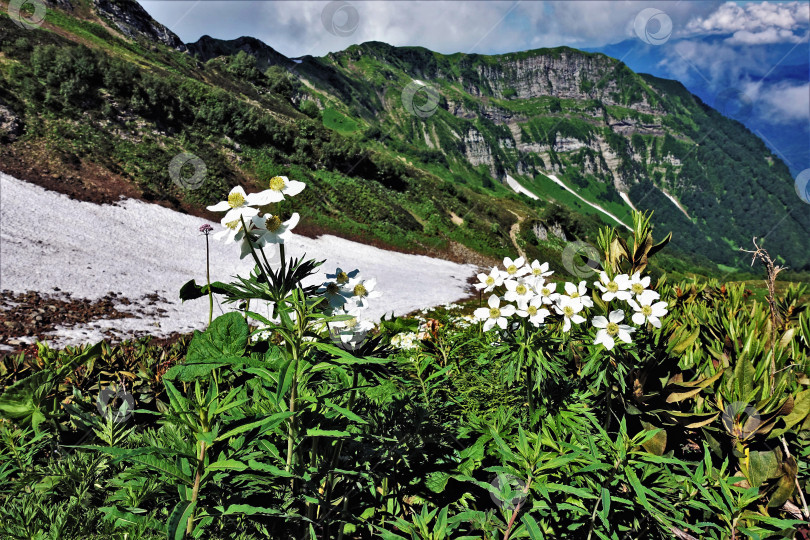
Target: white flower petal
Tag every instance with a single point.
(294, 187)
(219, 207)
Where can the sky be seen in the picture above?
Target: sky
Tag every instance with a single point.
(724, 48)
(296, 28)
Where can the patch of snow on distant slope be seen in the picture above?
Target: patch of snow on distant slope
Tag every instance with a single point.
(48, 240)
(626, 199)
(518, 188)
(586, 201)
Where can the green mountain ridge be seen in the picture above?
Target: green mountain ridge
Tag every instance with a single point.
(401, 146)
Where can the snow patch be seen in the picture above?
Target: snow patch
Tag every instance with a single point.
(589, 203)
(517, 188)
(48, 240)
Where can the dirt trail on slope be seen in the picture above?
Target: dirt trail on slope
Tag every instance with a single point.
(513, 230)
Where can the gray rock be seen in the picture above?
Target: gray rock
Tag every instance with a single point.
(133, 21)
(11, 126)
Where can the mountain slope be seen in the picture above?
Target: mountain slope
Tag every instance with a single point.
(401, 146)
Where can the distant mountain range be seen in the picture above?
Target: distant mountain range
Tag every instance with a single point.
(400, 146)
(738, 89)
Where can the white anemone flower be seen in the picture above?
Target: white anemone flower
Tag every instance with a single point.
(618, 287)
(272, 230)
(547, 293)
(335, 295)
(494, 314)
(342, 277)
(532, 309)
(488, 282)
(281, 186)
(579, 293)
(239, 204)
(516, 268)
(362, 291)
(610, 329)
(517, 289)
(639, 284)
(234, 232)
(539, 270)
(569, 309)
(647, 310)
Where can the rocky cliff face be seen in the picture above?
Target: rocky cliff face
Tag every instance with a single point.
(133, 21)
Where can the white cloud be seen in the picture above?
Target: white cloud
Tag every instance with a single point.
(720, 64)
(781, 102)
(755, 23)
(296, 28)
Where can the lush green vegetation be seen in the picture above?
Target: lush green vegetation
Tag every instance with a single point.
(311, 422)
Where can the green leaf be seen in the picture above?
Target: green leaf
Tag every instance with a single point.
(682, 344)
(801, 410)
(178, 520)
(247, 510)
(191, 291)
(532, 527)
(437, 481)
(327, 433)
(656, 444)
(226, 465)
(227, 336)
(267, 423)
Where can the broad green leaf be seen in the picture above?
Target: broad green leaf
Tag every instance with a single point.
(226, 465)
(178, 520)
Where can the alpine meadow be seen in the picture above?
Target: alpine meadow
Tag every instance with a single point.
(379, 291)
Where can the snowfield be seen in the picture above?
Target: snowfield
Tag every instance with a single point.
(48, 241)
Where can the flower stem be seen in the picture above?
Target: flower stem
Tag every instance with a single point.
(196, 490)
(208, 279)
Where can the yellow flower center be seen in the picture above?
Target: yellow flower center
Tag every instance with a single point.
(537, 271)
(568, 311)
(531, 310)
(233, 224)
(273, 223)
(612, 329)
(574, 294)
(351, 323)
(332, 288)
(277, 183)
(638, 288)
(511, 270)
(521, 289)
(235, 200)
(360, 290)
(490, 280)
(646, 310)
(342, 278)
(494, 313)
(546, 291)
(612, 286)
